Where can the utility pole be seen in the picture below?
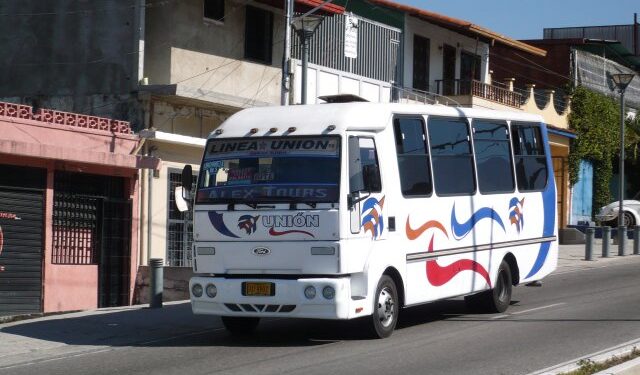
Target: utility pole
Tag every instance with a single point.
(286, 59)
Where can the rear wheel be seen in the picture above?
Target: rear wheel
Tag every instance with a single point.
(495, 300)
(385, 308)
(240, 325)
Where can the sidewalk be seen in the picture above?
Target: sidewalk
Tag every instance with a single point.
(58, 336)
(571, 257)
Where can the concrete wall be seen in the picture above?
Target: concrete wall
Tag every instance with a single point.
(439, 36)
(174, 157)
(186, 120)
(175, 284)
(76, 56)
(206, 57)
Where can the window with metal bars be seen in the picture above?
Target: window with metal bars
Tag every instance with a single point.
(77, 215)
(75, 229)
(179, 225)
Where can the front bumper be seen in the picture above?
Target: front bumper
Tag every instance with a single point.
(289, 299)
(602, 217)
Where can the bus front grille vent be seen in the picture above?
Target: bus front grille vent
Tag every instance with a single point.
(245, 307)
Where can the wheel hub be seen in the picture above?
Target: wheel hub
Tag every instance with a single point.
(386, 307)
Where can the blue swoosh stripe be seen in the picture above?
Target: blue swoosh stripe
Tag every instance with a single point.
(462, 229)
(218, 223)
(549, 205)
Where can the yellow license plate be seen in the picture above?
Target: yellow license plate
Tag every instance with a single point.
(258, 289)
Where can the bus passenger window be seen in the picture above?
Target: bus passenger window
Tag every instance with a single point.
(413, 157)
(493, 157)
(451, 155)
(528, 150)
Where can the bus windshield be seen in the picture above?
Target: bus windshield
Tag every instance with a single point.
(274, 169)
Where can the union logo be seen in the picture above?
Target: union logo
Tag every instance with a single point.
(248, 223)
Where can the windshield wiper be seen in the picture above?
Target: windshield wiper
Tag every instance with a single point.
(294, 206)
(255, 206)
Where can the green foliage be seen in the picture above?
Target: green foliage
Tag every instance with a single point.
(595, 119)
(589, 367)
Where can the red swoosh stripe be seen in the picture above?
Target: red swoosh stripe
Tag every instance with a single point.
(438, 275)
(412, 234)
(273, 232)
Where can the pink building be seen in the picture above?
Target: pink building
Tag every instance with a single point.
(69, 210)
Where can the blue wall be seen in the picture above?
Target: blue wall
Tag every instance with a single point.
(582, 198)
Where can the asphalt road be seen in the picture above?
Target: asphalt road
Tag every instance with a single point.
(575, 313)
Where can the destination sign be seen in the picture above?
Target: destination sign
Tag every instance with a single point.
(298, 146)
(311, 192)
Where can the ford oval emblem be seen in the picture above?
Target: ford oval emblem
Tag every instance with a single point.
(261, 251)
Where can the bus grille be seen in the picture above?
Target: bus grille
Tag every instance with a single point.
(260, 308)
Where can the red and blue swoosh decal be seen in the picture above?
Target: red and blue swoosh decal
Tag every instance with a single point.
(438, 275)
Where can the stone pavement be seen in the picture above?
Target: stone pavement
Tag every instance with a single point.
(74, 334)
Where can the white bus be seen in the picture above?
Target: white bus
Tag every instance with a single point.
(342, 211)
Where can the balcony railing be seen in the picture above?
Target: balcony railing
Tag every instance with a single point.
(64, 118)
(456, 87)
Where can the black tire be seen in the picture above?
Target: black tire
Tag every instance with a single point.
(240, 325)
(495, 300)
(385, 308)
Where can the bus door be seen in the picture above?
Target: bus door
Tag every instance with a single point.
(365, 199)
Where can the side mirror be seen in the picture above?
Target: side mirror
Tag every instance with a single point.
(187, 178)
(182, 193)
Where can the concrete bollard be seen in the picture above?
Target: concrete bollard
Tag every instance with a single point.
(156, 284)
(622, 237)
(606, 241)
(588, 250)
(636, 240)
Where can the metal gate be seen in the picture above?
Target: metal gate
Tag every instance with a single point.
(21, 243)
(92, 225)
(115, 258)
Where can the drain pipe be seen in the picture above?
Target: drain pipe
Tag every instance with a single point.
(150, 151)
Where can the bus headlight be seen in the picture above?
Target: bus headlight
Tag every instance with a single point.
(196, 290)
(328, 292)
(310, 292)
(211, 291)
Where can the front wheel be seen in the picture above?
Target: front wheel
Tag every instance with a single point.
(385, 308)
(240, 325)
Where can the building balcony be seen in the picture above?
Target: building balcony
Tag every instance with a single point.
(465, 91)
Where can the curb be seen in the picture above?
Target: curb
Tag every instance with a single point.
(628, 368)
(600, 356)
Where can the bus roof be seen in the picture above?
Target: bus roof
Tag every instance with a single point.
(314, 119)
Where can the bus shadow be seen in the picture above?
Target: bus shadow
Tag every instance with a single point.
(176, 326)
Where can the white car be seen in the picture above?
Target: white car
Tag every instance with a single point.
(631, 211)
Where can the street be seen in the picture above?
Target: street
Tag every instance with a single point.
(576, 312)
